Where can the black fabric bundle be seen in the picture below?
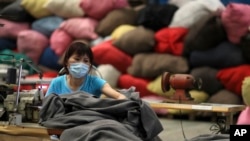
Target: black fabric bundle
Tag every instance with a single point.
(15, 12)
(210, 83)
(245, 47)
(156, 16)
(206, 37)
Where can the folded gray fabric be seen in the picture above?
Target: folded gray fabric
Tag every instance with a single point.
(101, 130)
(76, 109)
(211, 137)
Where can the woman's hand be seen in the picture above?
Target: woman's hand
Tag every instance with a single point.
(121, 96)
(110, 92)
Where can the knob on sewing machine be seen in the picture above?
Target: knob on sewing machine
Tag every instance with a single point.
(181, 83)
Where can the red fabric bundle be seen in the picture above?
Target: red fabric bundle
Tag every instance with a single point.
(126, 81)
(233, 77)
(106, 53)
(170, 40)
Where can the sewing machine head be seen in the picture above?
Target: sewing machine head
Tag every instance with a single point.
(27, 108)
(21, 105)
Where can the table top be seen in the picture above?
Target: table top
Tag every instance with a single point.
(224, 108)
(29, 129)
(24, 129)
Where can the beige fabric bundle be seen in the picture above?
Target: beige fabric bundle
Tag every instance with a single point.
(152, 65)
(114, 19)
(139, 40)
(246, 90)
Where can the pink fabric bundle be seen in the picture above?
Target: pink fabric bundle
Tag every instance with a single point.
(232, 78)
(59, 41)
(98, 9)
(80, 28)
(11, 28)
(170, 40)
(32, 44)
(236, 20)
(244, 117)
(106, 53)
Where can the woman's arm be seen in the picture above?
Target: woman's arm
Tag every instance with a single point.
(110, 92)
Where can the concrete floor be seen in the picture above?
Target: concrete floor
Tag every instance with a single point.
(173, 129)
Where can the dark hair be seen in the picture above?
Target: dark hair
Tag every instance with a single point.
(79, 48)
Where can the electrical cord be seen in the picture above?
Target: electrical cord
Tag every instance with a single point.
(182, 128)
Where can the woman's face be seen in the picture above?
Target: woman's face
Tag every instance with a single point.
(77, 59)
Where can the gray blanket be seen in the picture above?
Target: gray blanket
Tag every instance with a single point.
(87, 118)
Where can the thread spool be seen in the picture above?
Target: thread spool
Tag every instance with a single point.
(11, 76)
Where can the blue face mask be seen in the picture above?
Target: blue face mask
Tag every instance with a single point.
(78, 70)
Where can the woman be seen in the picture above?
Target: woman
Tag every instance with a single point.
(78, 62)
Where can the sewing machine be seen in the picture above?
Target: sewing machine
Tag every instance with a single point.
(23, 109)
(16, 105)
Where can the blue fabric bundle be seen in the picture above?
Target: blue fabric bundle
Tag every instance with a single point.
(47, 25)
(7, 44)
(224, 55)
(157, 1)
(226, 2)
(50, 59)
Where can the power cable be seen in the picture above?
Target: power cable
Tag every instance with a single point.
(182, 128)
